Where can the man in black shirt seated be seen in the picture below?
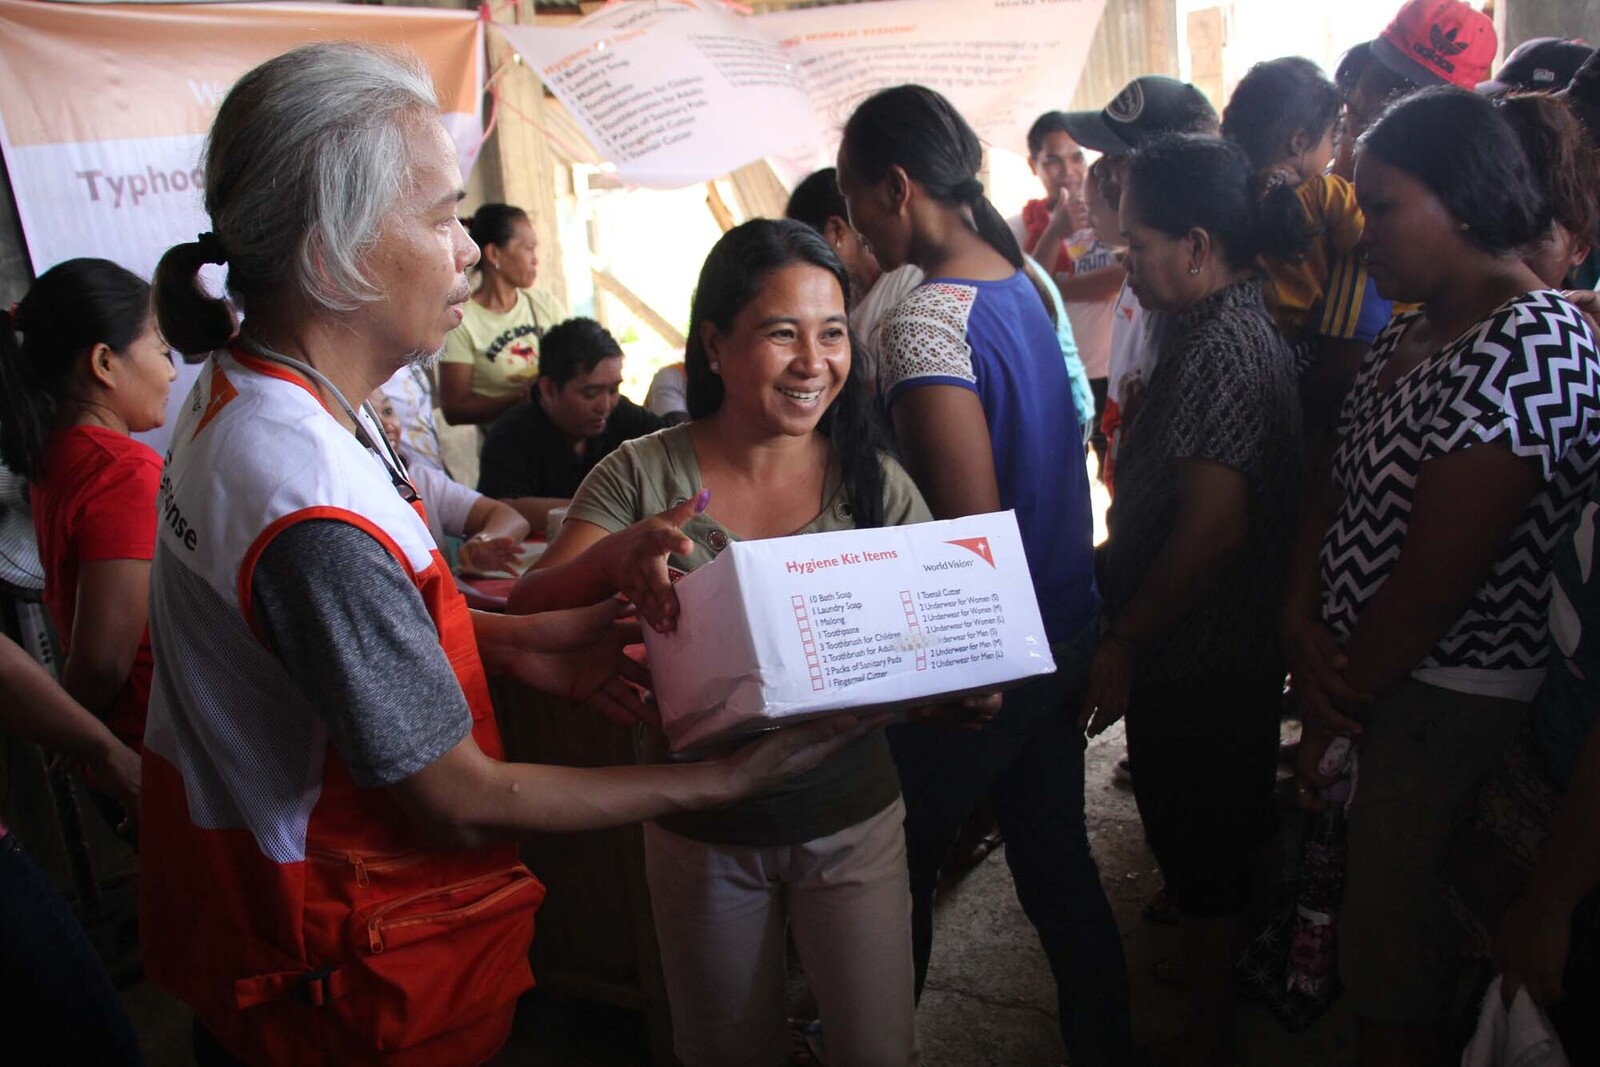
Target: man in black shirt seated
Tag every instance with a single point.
(537, 453)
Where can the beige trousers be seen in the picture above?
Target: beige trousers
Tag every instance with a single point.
(721, 912)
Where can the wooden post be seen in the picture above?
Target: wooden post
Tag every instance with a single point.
(527, 166)
(1134, 37)
(758, 192)
(1207, 36)
(1161, 37)
(719, 207)
(612, 286)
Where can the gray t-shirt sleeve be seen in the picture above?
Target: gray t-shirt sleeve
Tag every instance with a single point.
(352, 631)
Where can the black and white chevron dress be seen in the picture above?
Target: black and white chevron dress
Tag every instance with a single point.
(1527, 376)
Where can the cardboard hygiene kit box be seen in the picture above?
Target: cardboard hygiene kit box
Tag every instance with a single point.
(777, 631)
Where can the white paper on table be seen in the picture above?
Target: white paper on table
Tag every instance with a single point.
(527, 555)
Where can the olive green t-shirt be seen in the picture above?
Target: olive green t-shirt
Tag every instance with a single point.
(650, 474)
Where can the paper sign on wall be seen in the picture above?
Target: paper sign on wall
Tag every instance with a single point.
(683, 92)
(104, 109)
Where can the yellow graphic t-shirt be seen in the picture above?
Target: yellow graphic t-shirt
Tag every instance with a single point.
(503, 349)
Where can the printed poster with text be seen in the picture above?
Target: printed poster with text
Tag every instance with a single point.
(104, 111)
(683, 92)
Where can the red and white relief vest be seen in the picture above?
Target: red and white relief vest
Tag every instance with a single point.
(303, 919)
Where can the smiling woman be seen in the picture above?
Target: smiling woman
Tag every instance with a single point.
(781, 441)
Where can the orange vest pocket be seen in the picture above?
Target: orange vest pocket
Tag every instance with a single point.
(426, 963)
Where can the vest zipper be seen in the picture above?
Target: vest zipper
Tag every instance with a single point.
(367, 863)
(375, 921)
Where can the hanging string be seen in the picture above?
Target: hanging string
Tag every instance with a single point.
(494, 115)
(555, 139)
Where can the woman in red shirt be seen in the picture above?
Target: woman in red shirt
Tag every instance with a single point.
(82, 367)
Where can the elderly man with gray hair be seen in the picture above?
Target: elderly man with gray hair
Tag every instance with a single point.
(329, 870)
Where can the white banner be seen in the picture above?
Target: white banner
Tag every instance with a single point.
(104, 110)
(680, 93)
(673, 94)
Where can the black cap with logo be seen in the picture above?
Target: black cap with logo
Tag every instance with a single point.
(1146, 107)
(1540, 65)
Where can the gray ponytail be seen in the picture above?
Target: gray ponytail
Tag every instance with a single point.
(304, 161)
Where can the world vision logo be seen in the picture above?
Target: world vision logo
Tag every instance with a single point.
(978, 546)
(222, 391)
(1444, 45)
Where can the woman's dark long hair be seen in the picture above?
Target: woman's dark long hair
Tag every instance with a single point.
(915, 128)
(72, 307)
(494, 224)
(1273, 102)
(1467, 154)
(734, 272)
(1184, 182)
(1562, 158)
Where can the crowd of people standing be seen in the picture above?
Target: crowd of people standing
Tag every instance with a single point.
(1332, 349)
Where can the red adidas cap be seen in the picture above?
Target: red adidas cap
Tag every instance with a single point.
(1433, 42)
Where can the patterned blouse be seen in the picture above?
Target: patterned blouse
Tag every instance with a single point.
(1526, 376)
(1222, 390)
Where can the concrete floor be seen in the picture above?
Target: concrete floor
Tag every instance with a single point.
(990, 1001)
